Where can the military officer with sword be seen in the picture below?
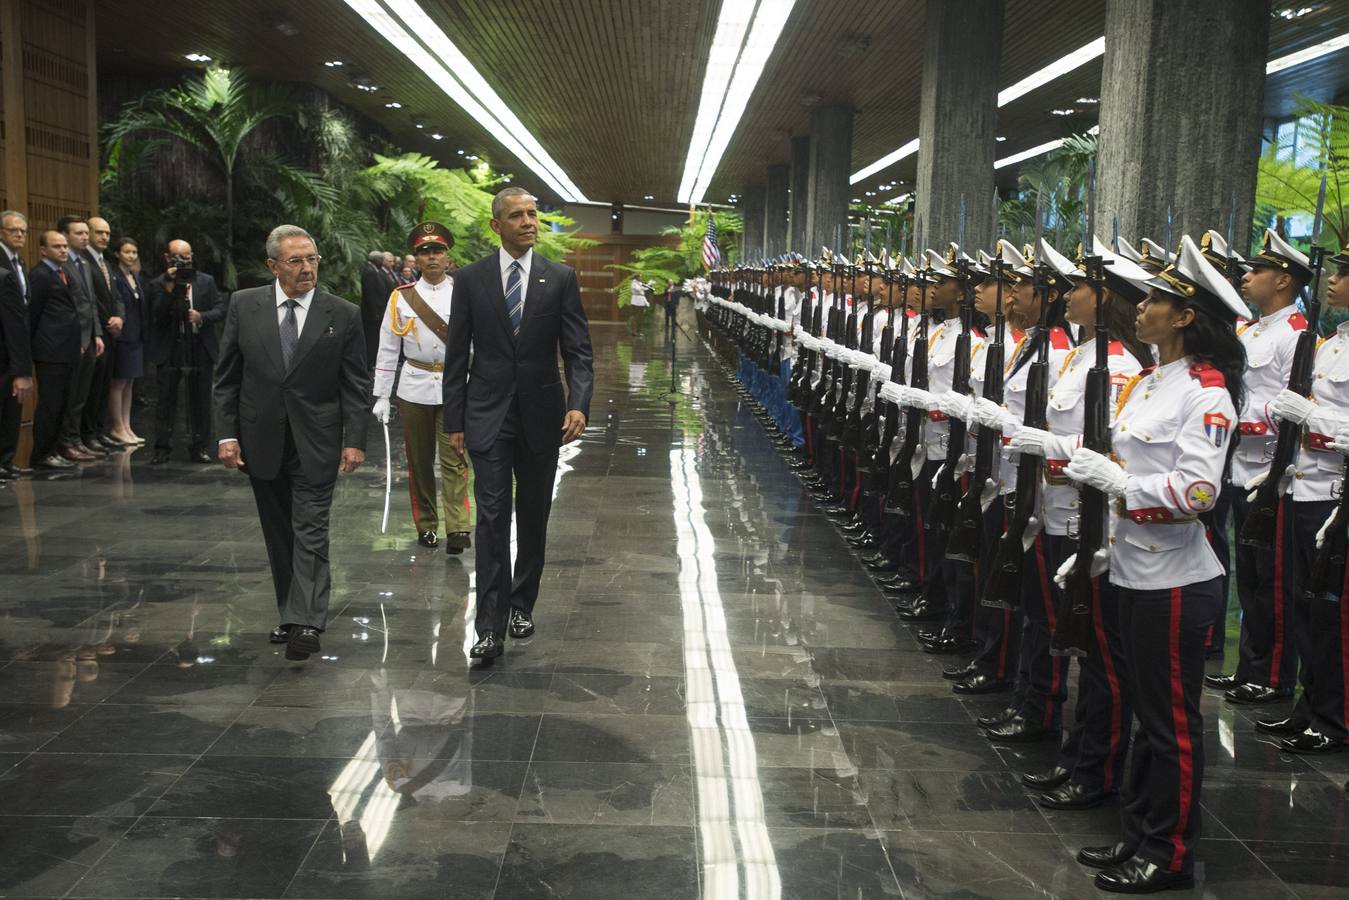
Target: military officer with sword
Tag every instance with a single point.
(416, 322)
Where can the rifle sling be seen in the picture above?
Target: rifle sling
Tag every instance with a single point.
(439, 327)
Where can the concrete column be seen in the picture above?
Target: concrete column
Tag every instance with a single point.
(957, 121)
(830, 166)
(799, 238)
(775, 212)
(752, 207)
(1180, 116)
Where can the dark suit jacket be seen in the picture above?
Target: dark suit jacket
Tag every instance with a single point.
(375, 291)
(91, 323)
(322, 398)
(53, 317)
(164, 321)
(16, 354)
(504, 368)
(106, 298)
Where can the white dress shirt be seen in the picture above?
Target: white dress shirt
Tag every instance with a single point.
(525, 261)
(300, 311)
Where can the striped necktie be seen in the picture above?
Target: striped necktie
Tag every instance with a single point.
(515, 297)
(290, 333)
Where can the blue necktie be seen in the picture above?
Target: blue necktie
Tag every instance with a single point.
(515, 298)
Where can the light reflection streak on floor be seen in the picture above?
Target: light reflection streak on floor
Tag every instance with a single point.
(729, 797)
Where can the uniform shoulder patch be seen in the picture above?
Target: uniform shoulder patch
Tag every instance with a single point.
(1116, 348)
(1297, 321)
(1201, 496)
(410, 284)
(1208, 376)
(1216, 427)
(1059, 340)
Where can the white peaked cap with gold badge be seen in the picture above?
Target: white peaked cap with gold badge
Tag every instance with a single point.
(1191, 275)
(1276, 253)
(1059, 264)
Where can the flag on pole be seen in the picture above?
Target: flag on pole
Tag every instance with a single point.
(711, 253)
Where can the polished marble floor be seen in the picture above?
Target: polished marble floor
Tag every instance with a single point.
(717, 703)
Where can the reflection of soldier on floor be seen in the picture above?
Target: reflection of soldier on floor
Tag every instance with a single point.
(417, 322)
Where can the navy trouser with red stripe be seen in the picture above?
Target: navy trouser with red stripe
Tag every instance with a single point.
(1097, 742)
(998, 630)
(1163, 633)
(1044, 677)
(1307, 517)
(1267, 653)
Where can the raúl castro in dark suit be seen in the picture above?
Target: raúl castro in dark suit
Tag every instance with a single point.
(291, 390)
(516, 310)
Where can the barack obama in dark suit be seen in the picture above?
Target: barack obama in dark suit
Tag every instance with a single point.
(517, 311)
(291, 391)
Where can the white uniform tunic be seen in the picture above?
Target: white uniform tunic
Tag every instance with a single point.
(1170, 435)
(1269, 342)
(941, 371)
(418, 383)
(1014, 391)
(1318, 469)
(1066, 415)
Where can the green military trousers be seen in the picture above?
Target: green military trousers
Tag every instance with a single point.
(423, 436)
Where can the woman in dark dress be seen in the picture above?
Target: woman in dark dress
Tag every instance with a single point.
(129, 363)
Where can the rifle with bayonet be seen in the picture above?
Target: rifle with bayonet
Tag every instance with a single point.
(852, 430)
(946, 496)
(1262, 518)
(871, 424)
(1003, 587)
(904, 470)
(838, 416)
(898, 358)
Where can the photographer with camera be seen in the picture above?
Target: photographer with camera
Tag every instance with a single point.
(185, 306)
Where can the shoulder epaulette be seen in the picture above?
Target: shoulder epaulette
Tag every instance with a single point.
(1058, 339)
(1297, 321)
(404, 287)
(1208, 376)
(1116, 348)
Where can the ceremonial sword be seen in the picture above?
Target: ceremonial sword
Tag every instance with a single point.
(388, 479)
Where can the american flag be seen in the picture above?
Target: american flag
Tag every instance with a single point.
(711, 255)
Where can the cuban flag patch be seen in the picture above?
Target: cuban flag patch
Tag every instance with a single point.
(1216, 426)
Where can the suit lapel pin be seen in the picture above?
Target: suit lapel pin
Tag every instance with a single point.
(331, 330)
(541, 281)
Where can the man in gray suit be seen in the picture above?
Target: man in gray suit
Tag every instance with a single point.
(291, 391)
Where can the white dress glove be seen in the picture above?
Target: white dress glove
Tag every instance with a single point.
(1038, 442)
(381, 410)
(1341, 441)
(1289, 406)
(1095, 470)
(892, 392)
(1100, 564)
(955, 405)
(920, 398)
(988, 414)
(1253, 486)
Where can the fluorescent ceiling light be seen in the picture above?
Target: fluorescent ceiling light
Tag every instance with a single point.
(747, 31)
(1307, 54)
(1037, 150)
(1075, 60)
(886, 161)
(414, 35)
(895, 201)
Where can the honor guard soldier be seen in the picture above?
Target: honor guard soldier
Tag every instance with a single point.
(1172, 427)
(416, 323)
(1267, 665)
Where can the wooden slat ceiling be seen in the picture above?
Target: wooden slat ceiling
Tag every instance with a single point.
(610, 87)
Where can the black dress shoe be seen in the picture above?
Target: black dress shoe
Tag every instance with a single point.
(1046, 780)
(53, 462)
(1019, 730)
(958, 672)
(6, 474)
(109, 441)
(1311, 742)
(1138, 876)
(280, 634)
(201, 457)
(1006, 714)
(15, 472)
(302, 642)
(928, 635)
(457, 542)
(979, 683)
(900, 584)
(838, 511)
(489, 646)
(160, 457)
(948, 643)
(1222, 682)
(1256, 693)
(522, 626)
(1073, 796)
(923, 611)
(427, 539)
(864, 543)
(1288, 727)
(1104, 857)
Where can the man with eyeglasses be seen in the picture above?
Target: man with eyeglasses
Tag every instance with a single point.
(185, 306)
(291, 387)
(13, 239)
